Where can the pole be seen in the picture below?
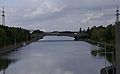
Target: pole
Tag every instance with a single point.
(105, 60)
(117, 24)
(117, 14)
(3, 16)
(117, 47)
(15, 37)
(113, 62)
(0, 42)
(3, 71)
(5, 40)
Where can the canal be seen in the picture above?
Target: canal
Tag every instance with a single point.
(52, 55)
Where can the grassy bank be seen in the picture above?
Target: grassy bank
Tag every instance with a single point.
(14, 37)
(13, 47)
(110, 49)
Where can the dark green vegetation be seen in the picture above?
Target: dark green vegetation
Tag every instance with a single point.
(4, 63)
(103, 34)
(12, 35)
(109, 56)
(37, 32)
(104, 37)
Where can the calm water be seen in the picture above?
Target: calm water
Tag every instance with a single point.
(52, 55)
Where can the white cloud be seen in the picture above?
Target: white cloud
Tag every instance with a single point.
(59, 14)
(91, 16)
(45, 8)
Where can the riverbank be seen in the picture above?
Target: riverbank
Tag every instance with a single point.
(67, 55)
(13, 47)
(109, 47)
(110, 55)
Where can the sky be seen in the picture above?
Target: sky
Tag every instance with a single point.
(59, 15)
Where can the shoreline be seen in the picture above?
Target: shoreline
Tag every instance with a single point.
(109, 48)
(10, 48)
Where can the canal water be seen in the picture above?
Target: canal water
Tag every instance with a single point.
(52, 55)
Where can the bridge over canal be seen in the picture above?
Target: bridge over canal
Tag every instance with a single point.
(75, 35)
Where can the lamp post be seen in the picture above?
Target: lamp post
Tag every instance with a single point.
(105, 52)
(113, 59)
(15, 38)
(105, 60)
(15, 41)
(5, 41)
(0, 42)
(3, 71)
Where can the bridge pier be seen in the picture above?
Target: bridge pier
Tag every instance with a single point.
(77, 38)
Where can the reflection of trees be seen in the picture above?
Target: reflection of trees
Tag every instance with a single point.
(4, 63)
(109, 56)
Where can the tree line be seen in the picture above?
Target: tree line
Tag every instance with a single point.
(102, 34)
(12, 35)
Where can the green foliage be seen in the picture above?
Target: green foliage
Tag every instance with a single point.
(2, 32)
(103, 34)
(37, 32)
(12, 35)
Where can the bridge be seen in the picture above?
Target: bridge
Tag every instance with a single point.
(74, 34)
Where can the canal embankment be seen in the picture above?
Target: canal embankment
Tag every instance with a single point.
(109, 47)
(51, 54)
(13, 47)
(107, 50)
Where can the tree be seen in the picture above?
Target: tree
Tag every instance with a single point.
(2, 33)
(103, 34)
(37, 32)
(80, 30)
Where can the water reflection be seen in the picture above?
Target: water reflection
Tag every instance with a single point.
(109, 56)
(56, 41)
(54, 57)
(4, 63)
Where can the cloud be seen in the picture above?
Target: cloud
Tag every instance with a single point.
(45, 8)
(91, 16)
(60, 14)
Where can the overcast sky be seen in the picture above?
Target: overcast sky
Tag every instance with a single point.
(52, 15)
